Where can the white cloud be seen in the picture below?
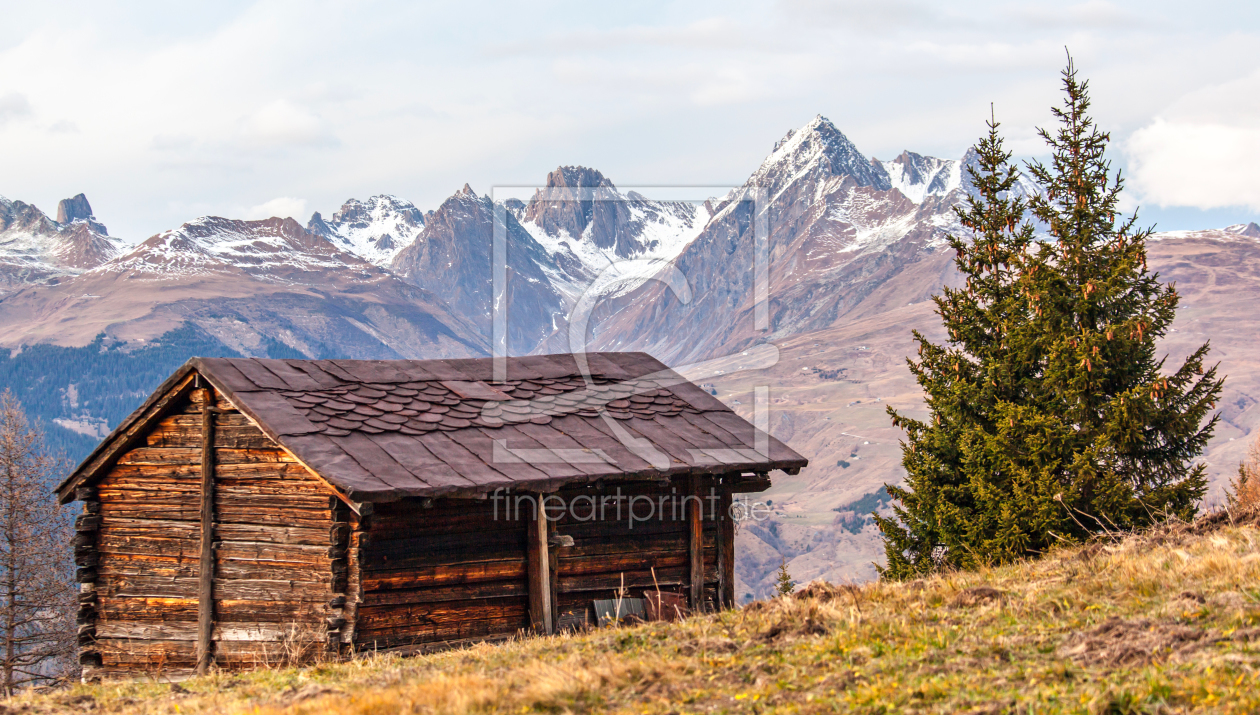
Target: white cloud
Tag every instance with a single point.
(1203, 151)
(217, 108)
(282, 122)
(1205, 166)
(1094, 13)
(284, 207)
(12, 106)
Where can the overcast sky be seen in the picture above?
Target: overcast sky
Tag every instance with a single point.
(160, 113)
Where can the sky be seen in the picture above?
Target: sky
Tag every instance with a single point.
(161, 112)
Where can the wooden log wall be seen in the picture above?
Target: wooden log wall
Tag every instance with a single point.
(608, 553)
(279, 560)
(439, 570)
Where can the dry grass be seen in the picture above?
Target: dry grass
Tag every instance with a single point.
(1167, 621)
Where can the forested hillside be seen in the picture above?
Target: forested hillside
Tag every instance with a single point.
(79, 394)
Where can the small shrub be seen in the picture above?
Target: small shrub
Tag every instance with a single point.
(1244, 491)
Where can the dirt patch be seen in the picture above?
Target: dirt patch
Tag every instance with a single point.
(978, 595)
(1118, 642)
(820, 590)
(786, 628)
(307, 692)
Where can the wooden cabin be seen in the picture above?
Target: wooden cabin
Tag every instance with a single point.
(272, 511)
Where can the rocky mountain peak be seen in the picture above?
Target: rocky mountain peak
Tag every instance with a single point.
(1250, 230)
(576, 176)
(74, 209)
(563, 209)
(917, 176)
(35, 248)
(816, 147)
(375, 229)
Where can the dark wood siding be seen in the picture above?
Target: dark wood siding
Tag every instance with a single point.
(449, 572)
(610, 551)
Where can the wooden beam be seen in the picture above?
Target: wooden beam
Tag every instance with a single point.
(553, 567)
(539, 569)
(726, 550)
(205, 587)
(695, 552)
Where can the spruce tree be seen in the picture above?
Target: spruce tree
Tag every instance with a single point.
(1050, 415)
(783, 583)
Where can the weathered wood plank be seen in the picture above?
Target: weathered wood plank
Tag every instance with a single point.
(236, 513)
(538, 568)
(469, 592)
(413, 618)
(109, 544)
(129, 586)
(609, 545)
(445, 548)
(274, 534)
(190, 631)
(273, 590)
(674, 576)
(695, 578)
(205, 586)
(226, 611)
(125, 562)
(372, 640)
(726, 552)
(161, 456)
(114, 568)
(620, 528)
(244, 571)
(614, 563)
(313, 555)
(236, 497)
(139, 510)
(445, 575)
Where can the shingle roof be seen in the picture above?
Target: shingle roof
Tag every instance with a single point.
(383, 430)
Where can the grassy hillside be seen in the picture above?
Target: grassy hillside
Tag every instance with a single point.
(1167, 621)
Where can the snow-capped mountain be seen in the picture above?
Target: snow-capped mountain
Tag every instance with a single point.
(600, 239)
(917, 176)
(261, 288)
(274, 250)
(1236, 232)
(452, 257)
(376, 229)
(35, 248)
(843, 232)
